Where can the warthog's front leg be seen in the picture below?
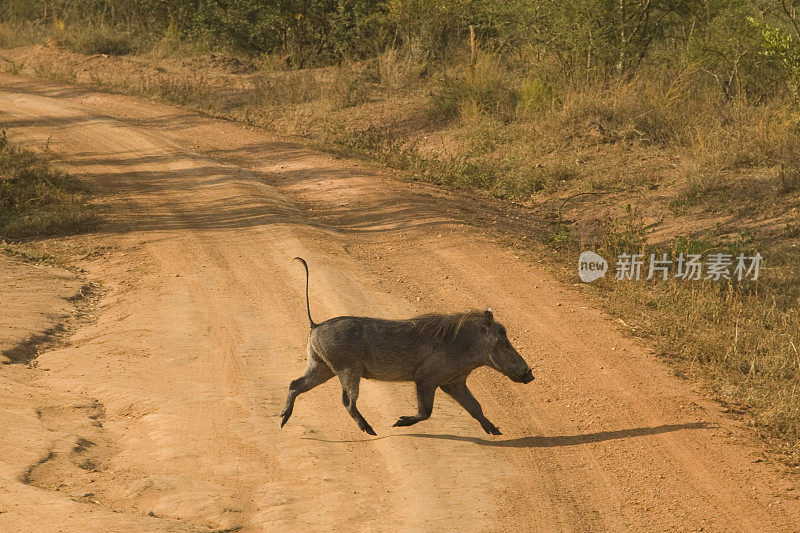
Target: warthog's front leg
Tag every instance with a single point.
(350, 377)
(460, 393)
(425, 394)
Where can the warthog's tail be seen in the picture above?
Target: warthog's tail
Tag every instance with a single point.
(308, 306)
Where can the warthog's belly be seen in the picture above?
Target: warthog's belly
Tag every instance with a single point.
(387, 374)
(393, 365)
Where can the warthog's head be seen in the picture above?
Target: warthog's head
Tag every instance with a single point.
(500, 354)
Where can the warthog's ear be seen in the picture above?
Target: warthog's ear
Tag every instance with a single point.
(488, 317)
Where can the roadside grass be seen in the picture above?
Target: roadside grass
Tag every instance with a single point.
(740, 338)
(192, 92)
(480, 87)
(92, 38)
(343, 86)
(36, 200)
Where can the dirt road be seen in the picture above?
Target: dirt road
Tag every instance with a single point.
(161, 412)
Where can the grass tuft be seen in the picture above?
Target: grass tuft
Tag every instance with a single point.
(98, 39)
(37, 201)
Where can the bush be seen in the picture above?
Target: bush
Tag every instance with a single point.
(729, 52)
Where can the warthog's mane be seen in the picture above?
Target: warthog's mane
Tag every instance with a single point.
(446, 327)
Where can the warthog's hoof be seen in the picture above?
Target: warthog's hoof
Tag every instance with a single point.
(406, 421)
(491, 429)
(370, 431)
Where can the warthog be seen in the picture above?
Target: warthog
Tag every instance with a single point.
(430, 350)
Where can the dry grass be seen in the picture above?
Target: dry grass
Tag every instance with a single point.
(36, 200)
(92, 38)
(328, 88)
(740, 338)
(14, 34)
(480, 87)
(192, 91)
(401, 70)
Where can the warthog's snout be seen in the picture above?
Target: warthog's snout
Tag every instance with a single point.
(527, 377)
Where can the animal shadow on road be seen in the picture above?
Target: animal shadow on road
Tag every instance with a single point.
(555, 441)
(544, 441)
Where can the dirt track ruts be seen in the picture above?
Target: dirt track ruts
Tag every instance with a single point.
(203, 326)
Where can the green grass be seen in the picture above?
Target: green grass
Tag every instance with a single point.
(36, 200)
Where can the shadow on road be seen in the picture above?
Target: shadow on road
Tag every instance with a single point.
(544, 441)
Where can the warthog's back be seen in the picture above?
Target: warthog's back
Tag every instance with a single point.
(389, 350)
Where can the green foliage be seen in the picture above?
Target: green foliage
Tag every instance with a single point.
(438, 26)
(561, 237)
(306, 32)
(728, 50)
(780, 44)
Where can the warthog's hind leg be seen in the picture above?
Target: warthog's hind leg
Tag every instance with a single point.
(350, 377)
(425, 395)
(317, 372)
(460, 393)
